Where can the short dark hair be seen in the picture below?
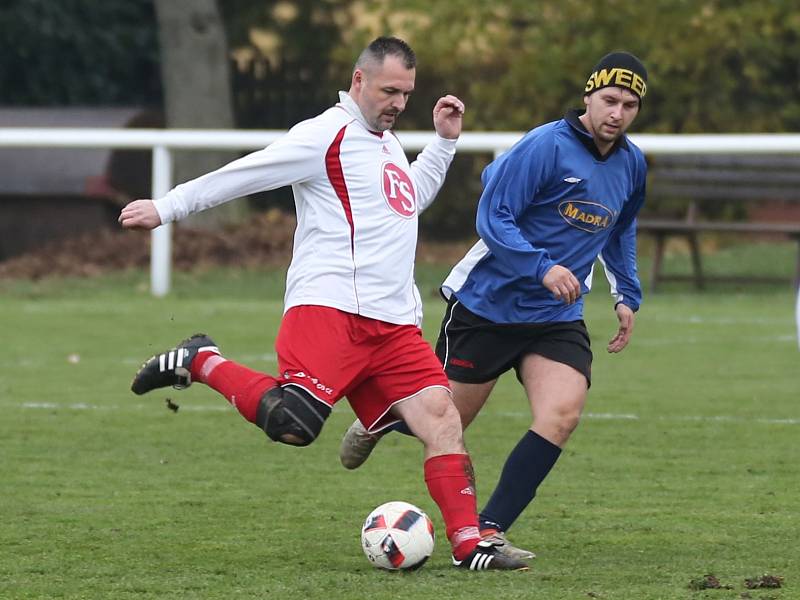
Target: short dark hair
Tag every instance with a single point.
(384, 46)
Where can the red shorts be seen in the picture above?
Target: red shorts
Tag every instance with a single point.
(375, 364)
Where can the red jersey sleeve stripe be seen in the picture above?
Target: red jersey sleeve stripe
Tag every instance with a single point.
(333, 166)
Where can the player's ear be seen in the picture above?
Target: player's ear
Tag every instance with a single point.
(358, 79)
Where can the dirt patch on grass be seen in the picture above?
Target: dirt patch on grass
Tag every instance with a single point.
(712, 582)
(707, 582)
(764, 581)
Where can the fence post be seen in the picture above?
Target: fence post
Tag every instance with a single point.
(161, 237)
(797, 314)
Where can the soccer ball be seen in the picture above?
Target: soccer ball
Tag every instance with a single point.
(397, 535)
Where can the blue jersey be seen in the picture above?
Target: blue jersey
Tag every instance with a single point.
(552, 199)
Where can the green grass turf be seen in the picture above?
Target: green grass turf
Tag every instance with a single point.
(684, 465)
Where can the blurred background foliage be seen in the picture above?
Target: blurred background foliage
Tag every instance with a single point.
(78, 53)
(715, 65)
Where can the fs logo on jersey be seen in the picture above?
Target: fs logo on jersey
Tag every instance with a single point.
(399, 191)
(588, 216)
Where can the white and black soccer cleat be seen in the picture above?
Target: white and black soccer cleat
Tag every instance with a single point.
(487, 556)
(171, 368)
(499, 540)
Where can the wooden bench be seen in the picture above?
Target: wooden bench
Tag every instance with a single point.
(689, 195)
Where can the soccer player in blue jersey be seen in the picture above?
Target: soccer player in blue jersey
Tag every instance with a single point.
(565, 195)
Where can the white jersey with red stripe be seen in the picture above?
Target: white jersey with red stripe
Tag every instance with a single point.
(358, 201)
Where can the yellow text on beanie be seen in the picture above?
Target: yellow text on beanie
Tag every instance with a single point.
(620, 69)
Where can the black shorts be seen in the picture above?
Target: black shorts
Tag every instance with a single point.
(476, 350)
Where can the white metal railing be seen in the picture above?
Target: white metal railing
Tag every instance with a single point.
(163, 142)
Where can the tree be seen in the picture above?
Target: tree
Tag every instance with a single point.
(79, 52)
(195, 73)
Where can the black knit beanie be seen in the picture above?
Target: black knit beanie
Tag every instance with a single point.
(620, 69)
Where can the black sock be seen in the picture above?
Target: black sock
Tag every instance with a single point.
(400, 427)
(526, 467)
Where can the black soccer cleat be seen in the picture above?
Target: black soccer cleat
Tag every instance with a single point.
(172, 366)
(487, 556)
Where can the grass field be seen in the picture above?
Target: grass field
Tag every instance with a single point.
(685, 465)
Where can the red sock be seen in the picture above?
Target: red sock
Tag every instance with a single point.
(451, 484)
(242, 387)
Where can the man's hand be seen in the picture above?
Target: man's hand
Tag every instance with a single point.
(139, 214)
(562, 283)
(626, 318)
(447, 117)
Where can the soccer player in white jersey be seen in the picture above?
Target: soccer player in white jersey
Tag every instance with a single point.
(351, 325)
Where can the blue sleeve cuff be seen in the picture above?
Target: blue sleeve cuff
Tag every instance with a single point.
(627, 302)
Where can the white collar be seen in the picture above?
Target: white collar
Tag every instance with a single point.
(349, 105)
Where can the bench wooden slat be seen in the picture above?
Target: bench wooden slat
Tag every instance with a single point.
(678, 226)
(733, 161)
(777, 177)
(689, 191)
